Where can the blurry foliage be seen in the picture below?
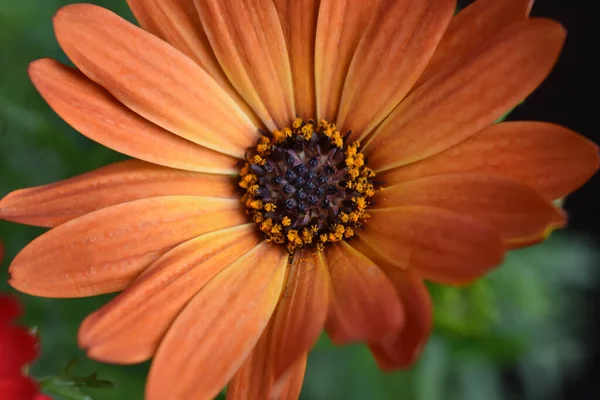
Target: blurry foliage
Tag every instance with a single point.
(68, 385)
(524, 317)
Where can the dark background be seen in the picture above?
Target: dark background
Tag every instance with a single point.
(567, 98)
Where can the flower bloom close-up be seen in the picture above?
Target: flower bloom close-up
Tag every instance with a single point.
(298, 166)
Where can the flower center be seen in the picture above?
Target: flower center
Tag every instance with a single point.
(305, 186)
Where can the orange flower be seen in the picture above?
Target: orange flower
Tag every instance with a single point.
(216, 95)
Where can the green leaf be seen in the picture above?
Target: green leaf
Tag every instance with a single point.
(66, 389)
(92, 381)
(68, 393)
(68, 386)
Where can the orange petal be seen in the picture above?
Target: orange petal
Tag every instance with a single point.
(247, 38)
(290, 386)
(153, 79)
(178, 23)
(105, 250)
(341, 25)
(472, 27)
(56, 203)
(438, 244)
(91, 110)
(275, 369)
(299, 23)
(129, 329)
(301, 313)
(218, 329)
(392, 53)
(363, 302)
(254, 380)
(469, 96)
(552, 159)
(516, 210)
(404, 348)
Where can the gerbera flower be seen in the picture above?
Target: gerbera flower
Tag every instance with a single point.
(17, 349)
(304, 164)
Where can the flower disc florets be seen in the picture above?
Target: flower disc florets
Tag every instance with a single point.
(305, 186)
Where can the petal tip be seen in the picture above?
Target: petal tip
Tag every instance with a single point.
(553, 29)
(18, 284)
(35, 65)
(85, 334)
(66, 11)
(7, 204)
(39, 70)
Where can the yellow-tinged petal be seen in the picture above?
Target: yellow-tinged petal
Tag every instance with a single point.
(341, 25)
(153, 79)
(517, 211)
(105, 250)
(438, 244)
(464, 99)
(550, 158)
(56, 203)
(248, 41)
(470, 28)
(129, 328)
(92, 111)
(363, 304)
(299, 23)
(302, 310)
(392, 53)
(218, 329)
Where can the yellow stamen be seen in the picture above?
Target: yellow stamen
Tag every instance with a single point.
(349, 232)
(259, 199)
(259, 160)
(278, 136)
(336, 140)
(266, 225)
(256, 204)
(307, 131)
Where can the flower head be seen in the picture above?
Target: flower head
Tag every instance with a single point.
(301, 164)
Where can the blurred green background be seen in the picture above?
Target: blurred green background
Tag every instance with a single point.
(520, 324)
